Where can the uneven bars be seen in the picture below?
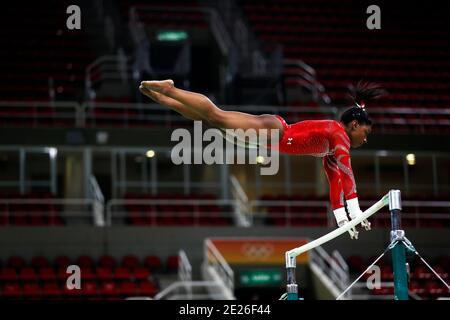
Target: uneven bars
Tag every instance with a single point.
(337, 232)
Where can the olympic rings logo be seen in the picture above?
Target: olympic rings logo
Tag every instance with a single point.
(257, 251)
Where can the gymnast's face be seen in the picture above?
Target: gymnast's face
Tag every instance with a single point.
(358, 133)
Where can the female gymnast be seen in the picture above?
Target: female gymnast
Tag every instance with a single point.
(328, 139)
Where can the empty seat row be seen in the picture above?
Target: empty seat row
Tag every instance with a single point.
(339, 50)
(88, 289)
(132, 263)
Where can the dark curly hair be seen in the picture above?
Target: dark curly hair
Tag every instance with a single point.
(360, 94)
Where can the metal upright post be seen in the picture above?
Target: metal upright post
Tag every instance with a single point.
(399, 250)
(291, 288)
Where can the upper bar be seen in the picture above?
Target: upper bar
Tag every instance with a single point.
(337, 232)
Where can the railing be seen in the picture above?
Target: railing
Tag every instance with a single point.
(40, 114)
(183, 290)
(185, 267)
(290, 211)
(109, 68)
(303, 75)
(112, 114)
(72, 211)
(116, 209)
(124, 115)
(96, 194)
(186, 289)
(334, 267)
(216, 267)
(419, 213)
(185, 272)
(241, 209)
(361, 292)
(434, 213)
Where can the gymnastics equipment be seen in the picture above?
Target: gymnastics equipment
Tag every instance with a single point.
(399, 245)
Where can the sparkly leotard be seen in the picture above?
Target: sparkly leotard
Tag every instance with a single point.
(326, 139)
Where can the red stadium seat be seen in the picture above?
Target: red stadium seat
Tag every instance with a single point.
(147, 288)
(85, 261)
(62, 262)
(107, 262)
(8, 274)
(122, 273)
(16, 262)
(27, 274)
(128, 288)
(52, 290)
(172, 263)
(153, 263)
(89, 289)
(102, 273)
(130, 261)
(39, 262)
(12, 290)
(141, 273)
(47, 274)
(32, 290)
(109, 288)
(417, 288)
(421, 273)
(87, 273)
(356, 264)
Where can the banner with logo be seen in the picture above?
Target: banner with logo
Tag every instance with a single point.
(258, 251)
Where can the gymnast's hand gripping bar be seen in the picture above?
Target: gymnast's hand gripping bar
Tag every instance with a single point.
(291, 254)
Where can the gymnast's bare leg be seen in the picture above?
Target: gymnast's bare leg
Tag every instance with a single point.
(197, 106)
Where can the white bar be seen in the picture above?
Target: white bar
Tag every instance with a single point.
(337, 232)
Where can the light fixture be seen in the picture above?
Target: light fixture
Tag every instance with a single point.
(52, 152)
(411, 159)
(150, 154)
(260, 159)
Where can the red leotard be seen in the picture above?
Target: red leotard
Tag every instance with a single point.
(326, 139)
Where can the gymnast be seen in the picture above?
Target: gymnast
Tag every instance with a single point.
(329, 139)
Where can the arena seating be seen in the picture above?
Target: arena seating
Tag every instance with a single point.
(286, 214)
(41, 43)
(332, 37)
(30, 214)
(164, 17)
(106, 278)
(422, 281)
(173, 214)
(280, 212)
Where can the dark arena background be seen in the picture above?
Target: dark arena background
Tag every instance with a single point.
(93, 206)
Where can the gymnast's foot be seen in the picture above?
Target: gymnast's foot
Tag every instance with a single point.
(155, 96)
(161, 86)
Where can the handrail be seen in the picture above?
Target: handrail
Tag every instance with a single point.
(224, 271)
(183, 284)
(172, 202)
(242, 209)
(185, 268)
(95, 208)
(334, 271)
(161, 115)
